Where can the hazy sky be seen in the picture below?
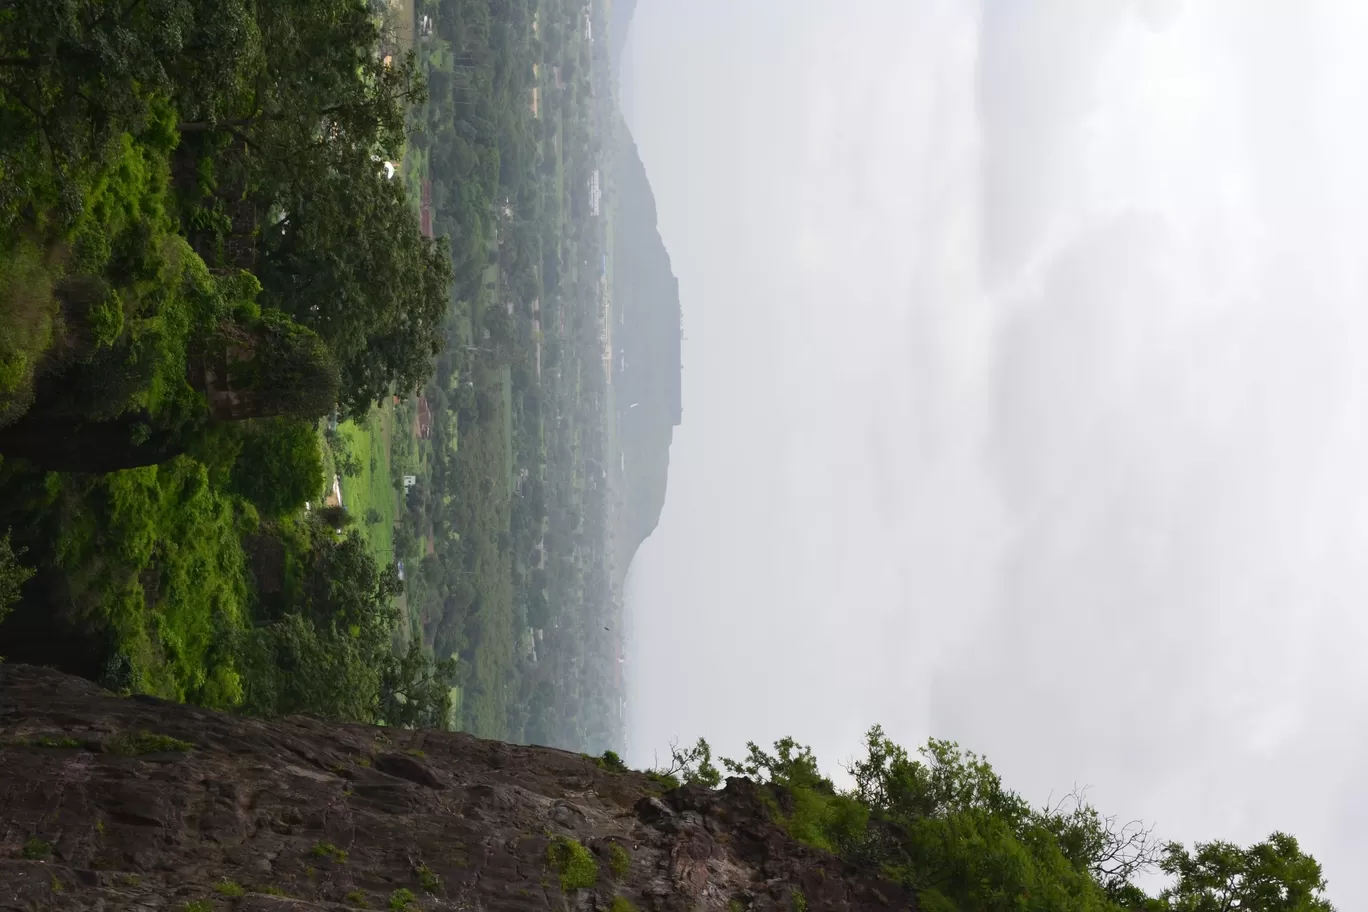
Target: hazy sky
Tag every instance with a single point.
(1025, 396)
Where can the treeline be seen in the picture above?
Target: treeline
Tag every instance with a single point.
(941, 823)
(201, 255)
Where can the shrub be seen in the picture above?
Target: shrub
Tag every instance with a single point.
(328, 850)
(573, 862)
(428, 879)
(12, 575)
(229, 888)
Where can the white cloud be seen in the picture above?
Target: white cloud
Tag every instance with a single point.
(1024, 400)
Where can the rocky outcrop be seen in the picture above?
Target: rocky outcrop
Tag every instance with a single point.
(134, 803)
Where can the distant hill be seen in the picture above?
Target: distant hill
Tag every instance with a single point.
(647, 362)
(619, 23)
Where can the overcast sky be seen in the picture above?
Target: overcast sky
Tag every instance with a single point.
(1025, 396)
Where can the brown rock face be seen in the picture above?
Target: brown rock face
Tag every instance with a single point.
(111, 804)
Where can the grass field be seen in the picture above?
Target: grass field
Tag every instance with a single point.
(372, 489)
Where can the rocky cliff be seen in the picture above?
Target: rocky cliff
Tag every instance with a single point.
(111, 803)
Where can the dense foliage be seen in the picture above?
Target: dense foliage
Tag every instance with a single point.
(200, 256)
(942, 823)
(12, 575)
(279, 467)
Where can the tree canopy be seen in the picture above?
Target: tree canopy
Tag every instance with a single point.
(279, 467)
(942, 823)
(347, 260)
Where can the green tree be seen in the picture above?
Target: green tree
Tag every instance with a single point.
(380, 307)
(415, 688)
(335, 517)
(295, 666)
(347, 463)
(328, 651)
(694, 765)
(74, 75)
(13, 575)
(279, 467)
(265, 366)
(1273, 876)
(345, 586)
(1113, 852)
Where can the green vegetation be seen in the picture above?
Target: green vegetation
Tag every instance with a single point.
(799, 901)
(230, 888)
(666, 781)
(145, 743)
(12, 575)
(362, 458)
(619, 862)
(573, 863)
(49, 741)
(279, 466)
(328, 850)
(428, 880)
(357, 898)
(180, 303)
(198, 905)
(36, 848)
(942, 824)
(621, 904)
(401, 900)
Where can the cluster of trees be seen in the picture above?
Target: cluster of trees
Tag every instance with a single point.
(942, 823)
(322, 643)
(201, 254)
(255, 132)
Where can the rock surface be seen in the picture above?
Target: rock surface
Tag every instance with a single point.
(109, 803)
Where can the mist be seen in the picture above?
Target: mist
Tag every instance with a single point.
(1024, 397)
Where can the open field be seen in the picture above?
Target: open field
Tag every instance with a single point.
(372, 489)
